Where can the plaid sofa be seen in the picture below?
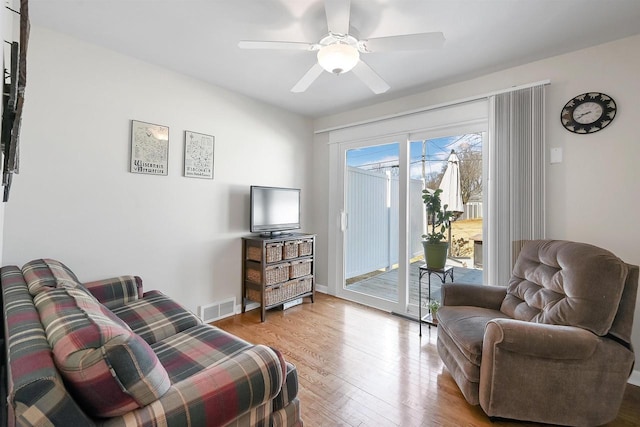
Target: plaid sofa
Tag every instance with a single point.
(106, 353)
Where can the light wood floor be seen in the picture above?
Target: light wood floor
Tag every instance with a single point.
(362, 367)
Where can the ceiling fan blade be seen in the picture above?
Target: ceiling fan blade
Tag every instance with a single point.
(338, 15)
(405, 42)
(370, 78)
(306, 80)
(256, 44)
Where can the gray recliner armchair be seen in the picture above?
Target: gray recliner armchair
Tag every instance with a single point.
(554, 346)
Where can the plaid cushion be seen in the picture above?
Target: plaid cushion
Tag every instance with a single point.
(43, 274)
(37, 394)
(189, 352)
(256, 417)
(156, 317)
(107, 367)
(245, 382)
(116, 291)
(289, 416)
(289, 389)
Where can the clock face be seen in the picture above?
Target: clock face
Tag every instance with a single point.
(588, 113)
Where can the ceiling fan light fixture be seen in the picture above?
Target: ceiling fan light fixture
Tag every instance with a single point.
(338, 58)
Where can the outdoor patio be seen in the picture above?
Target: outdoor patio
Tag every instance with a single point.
(385, 284)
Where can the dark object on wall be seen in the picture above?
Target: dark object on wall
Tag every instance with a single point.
(11, 89)
(588, 113)
(13, 101)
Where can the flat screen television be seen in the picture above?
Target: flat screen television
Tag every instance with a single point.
(274, 210)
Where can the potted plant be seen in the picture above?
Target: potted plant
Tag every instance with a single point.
(434, 305)
(439, 219)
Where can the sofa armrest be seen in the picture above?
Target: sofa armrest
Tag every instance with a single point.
(116, 291)
(473, 295)
(216, 395)
(541, 340)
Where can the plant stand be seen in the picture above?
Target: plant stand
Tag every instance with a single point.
(442, 274)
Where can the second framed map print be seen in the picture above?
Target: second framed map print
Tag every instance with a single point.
(149, 148)
(198, 155)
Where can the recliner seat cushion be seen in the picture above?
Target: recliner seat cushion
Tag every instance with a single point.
(109, 369)
(465, 326)
(564, 283)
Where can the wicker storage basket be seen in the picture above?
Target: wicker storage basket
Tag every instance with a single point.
(253, 295)
(305, 247)
(302, 285)
(273, 274)
(282, 292)
(274, 252)
(290, 249)
(300, 268)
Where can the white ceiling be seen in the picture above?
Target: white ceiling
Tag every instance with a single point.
(199, 38)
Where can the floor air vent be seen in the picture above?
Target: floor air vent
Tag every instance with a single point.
(217, 310)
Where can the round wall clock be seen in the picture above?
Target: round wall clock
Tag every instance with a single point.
(588, 113)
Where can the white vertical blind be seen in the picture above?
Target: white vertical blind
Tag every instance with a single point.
(515, 196)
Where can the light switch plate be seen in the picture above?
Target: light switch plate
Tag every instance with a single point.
(555, 155)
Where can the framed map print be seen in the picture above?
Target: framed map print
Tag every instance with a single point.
(149, 148)
(198, 155)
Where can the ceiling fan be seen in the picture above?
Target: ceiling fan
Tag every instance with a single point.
(339, 51)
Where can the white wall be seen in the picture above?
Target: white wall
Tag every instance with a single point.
(74, 199)
(592, 196)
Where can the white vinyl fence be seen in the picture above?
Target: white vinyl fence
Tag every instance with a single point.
(472, 210)
(372, 214)
(371, 236)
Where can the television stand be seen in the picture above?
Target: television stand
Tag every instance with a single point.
(277, 269)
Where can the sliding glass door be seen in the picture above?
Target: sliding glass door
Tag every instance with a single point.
(382, 217)
(378, 170)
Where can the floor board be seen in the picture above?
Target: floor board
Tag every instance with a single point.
(359, 366)
(385, 284)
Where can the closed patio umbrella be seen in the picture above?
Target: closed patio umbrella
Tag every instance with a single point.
(450, 185)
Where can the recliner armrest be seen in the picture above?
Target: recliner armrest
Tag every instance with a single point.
(116, 291)
(540, 340)
(473, 295)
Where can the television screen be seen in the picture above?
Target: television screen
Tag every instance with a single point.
(274, 209)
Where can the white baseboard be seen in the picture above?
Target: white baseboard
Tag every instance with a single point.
(322, 288)
(251, 305)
